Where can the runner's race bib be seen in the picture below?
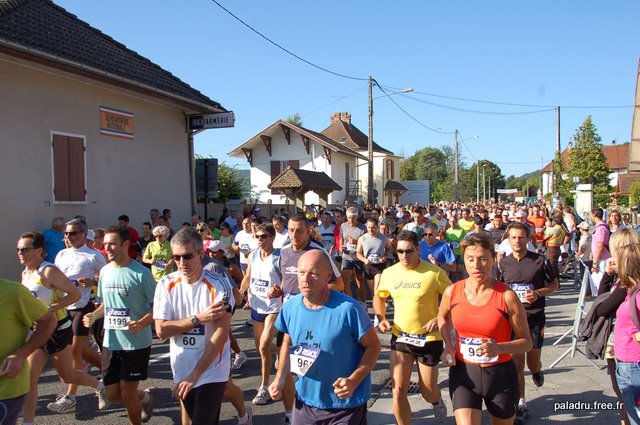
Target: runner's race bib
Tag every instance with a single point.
(191, 340)
(374, 259)
(351, 247)
(469, 349)
(302, 357)
(455, 244)
(117, 318)
(412, 339)
(244, 248)
(259, 287)
(161, 264)
(521, 290)
(327, 243)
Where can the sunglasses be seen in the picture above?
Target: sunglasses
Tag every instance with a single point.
(24, 250)
(186, 257)
(406, 251)
(75, 232)
(262, 236)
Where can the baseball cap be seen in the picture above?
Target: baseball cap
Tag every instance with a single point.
(584, 225)
(216, 246)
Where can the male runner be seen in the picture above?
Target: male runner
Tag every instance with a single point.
(415, 286)
(532, 277)
(126, 288)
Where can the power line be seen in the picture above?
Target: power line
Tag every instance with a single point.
(524, 105)
(284, 49)
(409, 115)
(475, 111)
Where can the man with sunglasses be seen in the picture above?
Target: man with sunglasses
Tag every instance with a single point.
(193, 306)
(415, 286)
(437, 252)
(126, 288)
(81, 265)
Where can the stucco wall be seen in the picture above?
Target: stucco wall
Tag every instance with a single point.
(123, 176)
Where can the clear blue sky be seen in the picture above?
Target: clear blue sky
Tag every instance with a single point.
(549, 52)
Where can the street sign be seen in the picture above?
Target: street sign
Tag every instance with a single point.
(219, 120)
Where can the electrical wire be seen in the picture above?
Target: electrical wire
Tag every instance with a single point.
(435, 130)
(475, 111)
(285, 49)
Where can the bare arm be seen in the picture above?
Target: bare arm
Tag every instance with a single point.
(345, 387)
(277, 386)
(359, 253)
(445, 326)
(53, 277)
(12, 364)
(246, 280)
(212, 348)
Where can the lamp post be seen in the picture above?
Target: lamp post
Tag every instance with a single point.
(478, 182)
(370, 138)
(456, 176)
(484, 186)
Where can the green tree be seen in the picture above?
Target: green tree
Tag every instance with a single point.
(562, 180)
(295, 119)
(634, 194)
(231, 185)
(586, 159)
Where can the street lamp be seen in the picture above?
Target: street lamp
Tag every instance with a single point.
(484, 187)
(370, 139)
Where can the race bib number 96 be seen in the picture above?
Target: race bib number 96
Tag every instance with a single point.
(302, 357)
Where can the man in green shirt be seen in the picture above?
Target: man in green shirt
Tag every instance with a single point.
(19, 310)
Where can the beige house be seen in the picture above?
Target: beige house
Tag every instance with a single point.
(88, 127)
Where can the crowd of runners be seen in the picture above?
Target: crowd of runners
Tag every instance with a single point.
(319, 287)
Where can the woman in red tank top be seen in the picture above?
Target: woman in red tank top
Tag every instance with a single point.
(477, 319)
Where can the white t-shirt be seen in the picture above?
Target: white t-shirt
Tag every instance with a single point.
(505, 247)
(176, 299)
(247, 243)
(82, 262)
(281, 239)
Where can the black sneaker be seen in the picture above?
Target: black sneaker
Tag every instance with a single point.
(538, 378)
(522, 413)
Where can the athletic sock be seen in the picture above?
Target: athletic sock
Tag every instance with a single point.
(288, 415)
(146, 397)
(72, 397)
(522, 402)
(243, 420)
(100, 386)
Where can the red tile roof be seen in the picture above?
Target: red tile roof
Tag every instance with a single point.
(352, 136)
(617, 157)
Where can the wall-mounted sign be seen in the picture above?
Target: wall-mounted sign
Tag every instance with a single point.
(116, 123)
(507, 191)
(219, 120)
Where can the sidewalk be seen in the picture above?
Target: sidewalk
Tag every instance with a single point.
(574, 391)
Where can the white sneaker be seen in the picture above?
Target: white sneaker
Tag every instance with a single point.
(440, 411)
(63, 404)
(262, 397)
(239, 359)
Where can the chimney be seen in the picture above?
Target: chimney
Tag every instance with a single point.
(341, 116)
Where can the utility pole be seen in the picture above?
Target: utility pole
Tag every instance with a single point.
(456, 187)
(484, 185)
(558, 129)
(478, 182)
(370, 144)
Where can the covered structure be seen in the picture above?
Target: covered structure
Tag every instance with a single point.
(295, 183)
(393, 190)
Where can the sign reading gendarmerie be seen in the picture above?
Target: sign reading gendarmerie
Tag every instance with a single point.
(220, 120)
(116, 123)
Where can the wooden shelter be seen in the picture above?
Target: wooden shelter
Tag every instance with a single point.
(393, 190)
(294, 183)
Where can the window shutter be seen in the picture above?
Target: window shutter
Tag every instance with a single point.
(275, 171)
(294, 163)
(76, 169)
(68, 169)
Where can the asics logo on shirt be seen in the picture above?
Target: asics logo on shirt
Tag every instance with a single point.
(291, 270)
(408, 285)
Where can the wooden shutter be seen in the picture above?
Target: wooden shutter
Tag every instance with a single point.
(294, 163)
(347, 180)
(275, 171)
(68, 169)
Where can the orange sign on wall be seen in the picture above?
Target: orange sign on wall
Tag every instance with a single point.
(116, 123)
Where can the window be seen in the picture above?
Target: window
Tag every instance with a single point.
(390, 169)
(69, 183)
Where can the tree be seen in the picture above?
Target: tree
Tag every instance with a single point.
(586, 159)
(562, 181)
(295, 119)
(231, 185)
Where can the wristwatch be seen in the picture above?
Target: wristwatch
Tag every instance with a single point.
(51, 309)
(194, 321)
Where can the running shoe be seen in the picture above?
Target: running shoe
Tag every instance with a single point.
(522, 413)
(538, 378)
(262, 397)
(63, 404)
(440, 411)
(238, 360)
(147, 408)
(103, 401)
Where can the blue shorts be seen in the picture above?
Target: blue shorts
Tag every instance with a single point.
(304, 414)
(355, 265)
(258, 317)
(10, 409)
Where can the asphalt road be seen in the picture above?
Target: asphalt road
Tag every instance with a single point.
(167, 410)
